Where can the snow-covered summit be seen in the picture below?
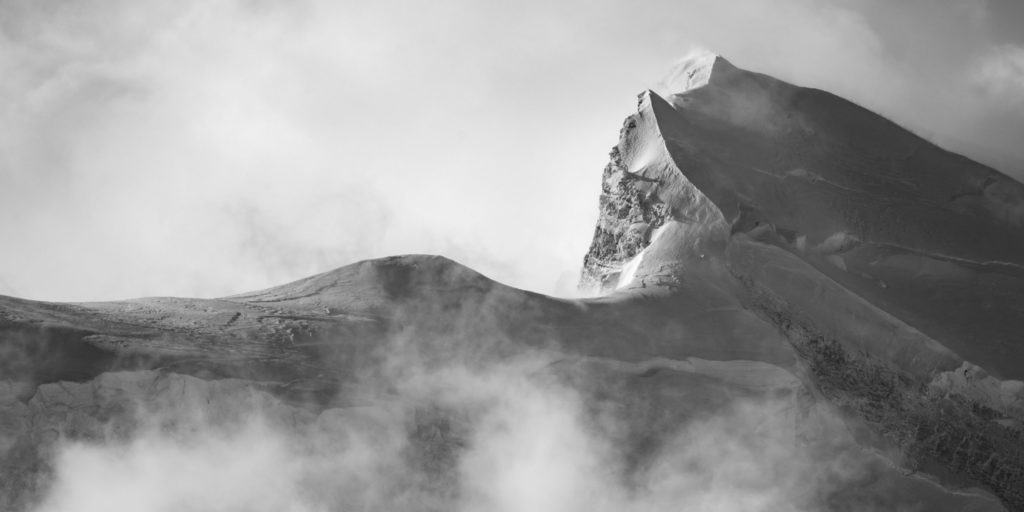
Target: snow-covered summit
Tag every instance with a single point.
(875, 251)
(696, 69)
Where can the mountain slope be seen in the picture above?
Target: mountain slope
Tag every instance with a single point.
(892, 266)
(807, 308)
(315, 346)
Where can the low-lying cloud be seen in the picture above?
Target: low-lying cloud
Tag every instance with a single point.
(509, 437)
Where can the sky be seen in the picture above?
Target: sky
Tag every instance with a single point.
(204, 148)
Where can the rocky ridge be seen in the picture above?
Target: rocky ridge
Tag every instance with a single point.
(890, 264)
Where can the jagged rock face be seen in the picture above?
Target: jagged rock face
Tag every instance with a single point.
(891, 265)
(789, 279)
(629, 218)
(642, 199)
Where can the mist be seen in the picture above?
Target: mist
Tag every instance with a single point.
(511, 436)
(209, 148)
(447, 413)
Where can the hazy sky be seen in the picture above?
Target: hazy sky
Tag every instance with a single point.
(203, 148)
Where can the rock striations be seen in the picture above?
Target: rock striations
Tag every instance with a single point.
(758, 242)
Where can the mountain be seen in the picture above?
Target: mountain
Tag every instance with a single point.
(803, 307)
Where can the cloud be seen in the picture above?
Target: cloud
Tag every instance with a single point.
(1001, 74)
(148, 149)
(509, 436)
(248, 470)
(137, 135)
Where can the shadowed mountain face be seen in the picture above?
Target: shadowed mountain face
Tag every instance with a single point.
(807, 308)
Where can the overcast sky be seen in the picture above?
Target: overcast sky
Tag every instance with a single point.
(202, 148)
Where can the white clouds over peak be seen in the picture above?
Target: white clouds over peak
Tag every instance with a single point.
(1000, 73)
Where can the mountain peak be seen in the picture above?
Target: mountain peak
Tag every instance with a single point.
(837, 225)
(697, 69)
